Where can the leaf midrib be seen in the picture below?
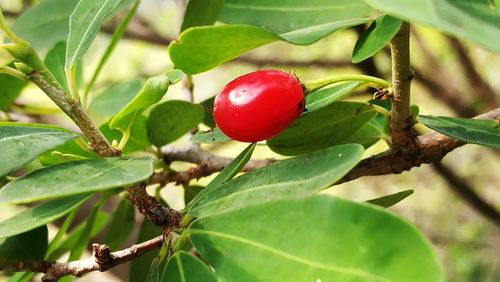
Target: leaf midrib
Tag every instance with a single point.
(287, 256)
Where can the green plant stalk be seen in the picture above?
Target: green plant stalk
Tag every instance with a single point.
(13, 72)
(313, 85)
(126, 135)
(8, 32)
(109, 50)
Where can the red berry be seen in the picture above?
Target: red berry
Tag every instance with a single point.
(258, 105)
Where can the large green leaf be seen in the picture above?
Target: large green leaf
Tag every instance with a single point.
(322, 128)
(314, 239)
(281, 180)
(84, 24)
(228, 173)
(45, 24)
(282, 16)
(151, 93)
(199, 49)
(22, 143)
(29, 246)
(114, 98)
(201, 12)
(376, 37)
(39, 215)
(171, 120)
(10, 90)
(325, 96)
(475, 20)
(370, 133)
(476, 131)
(76, 178)
(185, 267)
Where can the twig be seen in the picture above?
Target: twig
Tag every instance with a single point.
(401, 117)
(477, 84)
(102, 259)
(431, 148)
(466, 192)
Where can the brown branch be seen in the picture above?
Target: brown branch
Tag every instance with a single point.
(476, 83)
(401, 117)
(102, 259)
(466, 192)
(431, 148)
(207, 163)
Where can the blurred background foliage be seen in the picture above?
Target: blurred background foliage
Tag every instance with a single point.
(453, 78)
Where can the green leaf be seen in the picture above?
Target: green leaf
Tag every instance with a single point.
(140, 266)
(228, 173)
(55, 63)
(76, 178)
(121, 225)
(22, 143)
(213, 135)
(69, 151)
(325, 96)
(154, 271)
(475, 20)
(171, 120)
(477, 131)
(114, 98)
(281, 180)
(351, 242)
(282, 16)
(199, 49)
(190, 192)
(138, 139)
(208, 106)
(84, 24)
(184, 267)
(376, 37)
(201, 12)
(370, 133)
(322, 128)
(30, 245)
(10, 90)
(39, 215)
(42, 28)
(151, 93)
(391, 200)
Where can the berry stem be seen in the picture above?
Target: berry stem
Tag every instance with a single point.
(313, 85)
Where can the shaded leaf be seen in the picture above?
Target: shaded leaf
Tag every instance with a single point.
(121, 225)
(281, 180)
(30, 245)
(391, 200)
(190, 192)
(377, 36)
(213, 135)
(66, 179)
(171, 120)
(477, 131)
(370, 133)
(44, 29)
(10, 90)
(140, 266)
(114, 98)
(474, 20)
(184, 267)
(39, 215)
(282, 16)
(322, 128)
(201, 12)
(55, 63)
(21, 143)
(350, 243)
(151, 93)
(69, 151)
(208, 106)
